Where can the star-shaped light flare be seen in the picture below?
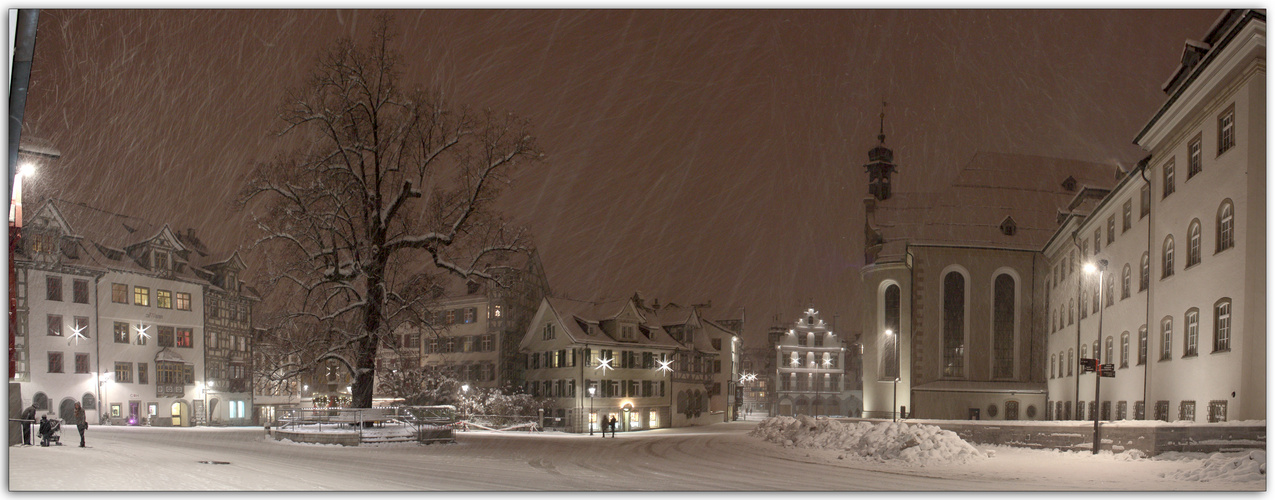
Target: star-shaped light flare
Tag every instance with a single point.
(604, 365)
(664, 365)
(141, 331)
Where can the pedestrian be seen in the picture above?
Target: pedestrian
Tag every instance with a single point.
(46, 430)
(614, 424)
(81, 423)
(28, 419)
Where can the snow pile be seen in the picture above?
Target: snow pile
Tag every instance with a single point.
(1226, 467)
(916, 444)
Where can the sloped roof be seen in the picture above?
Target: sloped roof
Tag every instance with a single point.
(991, 187)
(572, 312)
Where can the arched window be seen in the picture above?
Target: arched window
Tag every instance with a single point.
(1166, 261)
(1084, 296)
(1053, 365)
(1222, 325)
(40, 401)
(1193, 243)
(1096, 353)
(1003, 325)
(1225, 226)
(1111, 288)
(1191, 340)
(1145, 280)
(890, 299)
(1142, 344)
(88, 401)
(1071, 361)
(1084, 351)
(1109, 355)
(1166, 338)
(1071, 312)
(1124, 350)
(1125, 282)
(954, 325)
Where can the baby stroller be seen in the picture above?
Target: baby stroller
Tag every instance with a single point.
(51, 431)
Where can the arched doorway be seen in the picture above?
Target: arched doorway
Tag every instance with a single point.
(66, 410)
(212, 411)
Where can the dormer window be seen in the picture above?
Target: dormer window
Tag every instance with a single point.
(1069, 184)
(161, 260)
(1009, 227)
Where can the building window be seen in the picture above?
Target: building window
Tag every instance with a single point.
(548, 332)
(55, 362)
(81, 362)
(1225, 226)
(123, 372)
(1126, 278)
(142, 376)
(1071, 361)
(1124, 350)
(1194, 165)
(119, 293)
(121, 332)
(1145, 205)
(80, 291)
(53, 287)
(167, 373)
(1084, 296)
(470, 314)
(161, 261)
(1003, 323)
(1169, 186)
(1193, 243)
(1222, 325)
(1122, 410)
(81, 326)
(1097, 241)
(1111, 289)
(1127, 217)
(1142, 345)
(1053, 365)
(954, 325)
(166, 335)
(889, 360)
(184, 337)
(1192, 337)
(55, 325)
(183, 301)
(1084, 351)
(1106, 411)
(1186, 411)
(1217, 411)
(1166, 261)
(486, 343)
(141, 296)
(495, 311)
(1166, 338)
(1226, 130)
(1111, 229)
(1071, 312)
(1109, 355)
(1145, 279)
(164, 299)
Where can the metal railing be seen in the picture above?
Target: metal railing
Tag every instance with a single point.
(425, 422)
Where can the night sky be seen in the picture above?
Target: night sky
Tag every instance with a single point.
(692, 155)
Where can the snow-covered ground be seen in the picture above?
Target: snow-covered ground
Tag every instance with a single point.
(720, 457)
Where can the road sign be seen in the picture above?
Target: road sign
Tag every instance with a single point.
(1088, 365)
(1107, 370)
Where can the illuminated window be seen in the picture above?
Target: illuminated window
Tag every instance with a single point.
(119, 293)
(141, 296)
(184, 337)
(954, 325)
(183, 301)
(123, 372)
(163, 299)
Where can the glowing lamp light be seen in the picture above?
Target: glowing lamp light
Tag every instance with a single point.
(26, 169)
(141, 331)
(664, 366)
(465, 388)
(77, 334)
(1090, 268)
(592, 390)
(604, 365)
(889, 332)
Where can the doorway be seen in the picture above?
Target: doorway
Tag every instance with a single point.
(177, 414)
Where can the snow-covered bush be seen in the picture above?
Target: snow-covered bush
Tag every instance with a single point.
(1226, 467)
(896, 441)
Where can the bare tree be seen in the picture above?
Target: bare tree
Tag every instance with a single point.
(385, 189)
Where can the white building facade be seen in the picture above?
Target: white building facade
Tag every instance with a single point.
(1182, 298)
(810, 368)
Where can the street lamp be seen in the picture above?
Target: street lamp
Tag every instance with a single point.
(894, 410)
(464, 402)
(106, 393)
(1101, 269)
(591, 415)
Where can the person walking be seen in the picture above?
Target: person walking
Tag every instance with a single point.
(28, 419)
(81, 423)
(614, 424)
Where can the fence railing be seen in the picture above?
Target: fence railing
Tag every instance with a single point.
(418, 418)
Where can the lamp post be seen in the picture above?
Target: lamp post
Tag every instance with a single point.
(1101, 269)
(106, 393)
(894, 409)
(591, 417)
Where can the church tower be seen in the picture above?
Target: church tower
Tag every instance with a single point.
(880, 165)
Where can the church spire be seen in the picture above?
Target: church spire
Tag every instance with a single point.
(880, 163)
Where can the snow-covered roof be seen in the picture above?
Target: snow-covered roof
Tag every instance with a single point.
(991, 187)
